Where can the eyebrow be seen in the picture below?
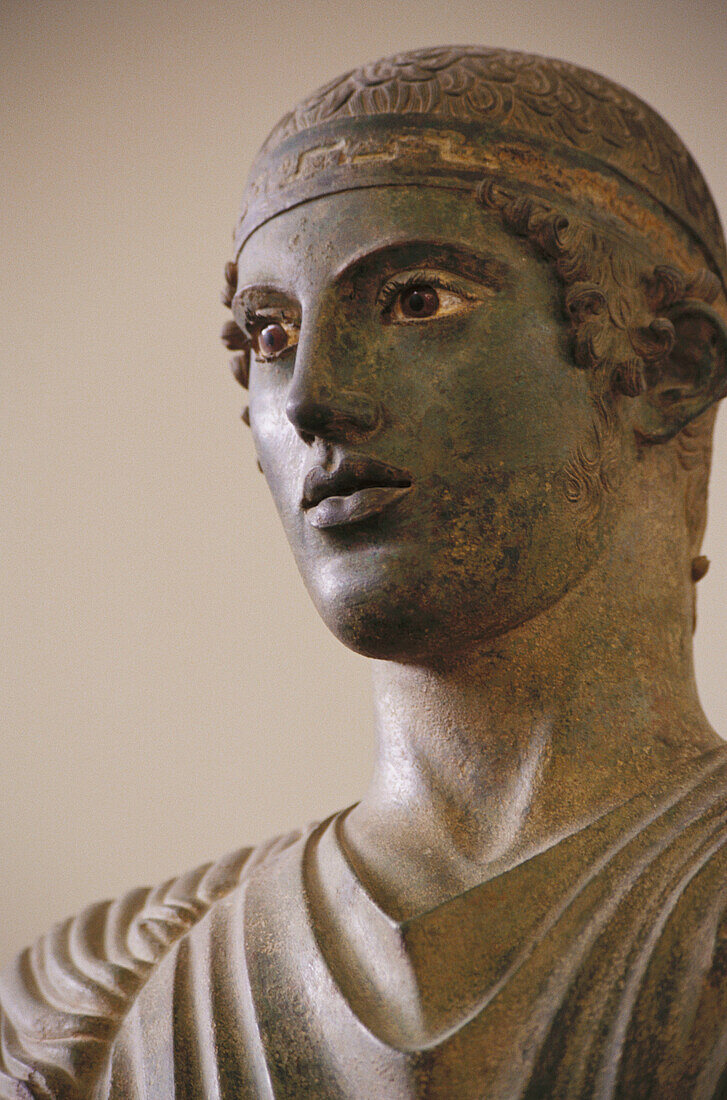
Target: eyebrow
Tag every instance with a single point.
(258, 296)
(455, 258)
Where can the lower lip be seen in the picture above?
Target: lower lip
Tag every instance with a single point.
(358, 506)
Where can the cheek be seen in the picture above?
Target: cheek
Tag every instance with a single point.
(495, 393)
(280, 452)
(503, 551)
(496, 523)
(527, 404)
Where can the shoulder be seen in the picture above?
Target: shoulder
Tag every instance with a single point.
(63, 1000)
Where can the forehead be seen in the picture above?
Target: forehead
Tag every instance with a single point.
(324, 236)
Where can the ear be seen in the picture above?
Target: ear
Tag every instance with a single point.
(687, 376)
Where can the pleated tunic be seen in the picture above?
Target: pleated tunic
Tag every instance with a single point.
(595, 969)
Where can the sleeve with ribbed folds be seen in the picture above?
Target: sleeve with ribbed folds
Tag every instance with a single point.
(63, 1000)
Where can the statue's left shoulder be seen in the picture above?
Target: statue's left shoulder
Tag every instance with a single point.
(63, 1000)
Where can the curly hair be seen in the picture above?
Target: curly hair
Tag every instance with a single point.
(591, 176)
(613, 303)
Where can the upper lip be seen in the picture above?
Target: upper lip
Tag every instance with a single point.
(351, 473)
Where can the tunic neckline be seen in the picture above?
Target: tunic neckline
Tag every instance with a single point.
(414, 983)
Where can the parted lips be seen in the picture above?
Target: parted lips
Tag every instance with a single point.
(353, 472)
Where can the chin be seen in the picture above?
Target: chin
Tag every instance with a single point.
(404, 622)
(391, 610)
(374, 621)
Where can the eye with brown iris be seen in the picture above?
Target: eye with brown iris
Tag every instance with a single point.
(419, 301)
(272, 339)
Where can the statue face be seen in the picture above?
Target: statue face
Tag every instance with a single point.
(413, 406)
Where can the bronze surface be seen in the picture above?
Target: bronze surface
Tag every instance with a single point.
(478, 304)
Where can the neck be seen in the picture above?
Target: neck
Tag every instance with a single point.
(494, 754)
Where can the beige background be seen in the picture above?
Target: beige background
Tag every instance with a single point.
(167, 691)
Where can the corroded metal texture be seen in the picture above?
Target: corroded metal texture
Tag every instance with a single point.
(456, 114)
(478, 305)
(289, 981)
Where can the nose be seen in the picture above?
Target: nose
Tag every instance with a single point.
(319, 404)
(331, 415)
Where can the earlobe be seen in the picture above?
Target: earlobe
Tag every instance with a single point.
(685, 356)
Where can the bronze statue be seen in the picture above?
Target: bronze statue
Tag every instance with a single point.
(478, 299)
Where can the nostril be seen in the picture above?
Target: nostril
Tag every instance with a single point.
(324, 415)
(309, 418)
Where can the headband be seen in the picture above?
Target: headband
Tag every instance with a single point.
(456, 117)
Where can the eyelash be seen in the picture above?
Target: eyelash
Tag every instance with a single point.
(386, 298)
(399, 283)
(253, 325)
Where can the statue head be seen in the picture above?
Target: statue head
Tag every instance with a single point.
(479, 302)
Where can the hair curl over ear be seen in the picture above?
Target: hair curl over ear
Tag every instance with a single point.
(614, 302)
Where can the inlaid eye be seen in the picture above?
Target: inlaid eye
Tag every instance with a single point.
(272, 339)
(419, 301)
(411, 298)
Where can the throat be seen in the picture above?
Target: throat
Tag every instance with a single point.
(491, 760)
(415, 979)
